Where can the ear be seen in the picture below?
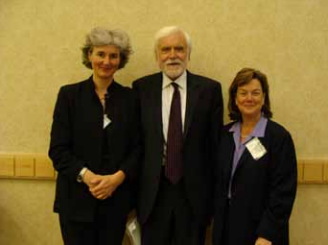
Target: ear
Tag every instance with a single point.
(236, 103)
(263, 101)
(89, 53)
(156, 54)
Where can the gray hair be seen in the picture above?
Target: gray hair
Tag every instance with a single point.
(99, 36)
(169, 30)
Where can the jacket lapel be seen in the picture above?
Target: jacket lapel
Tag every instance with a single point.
(228, 147)
(156, 103)
(242, 160)
(115, 109)
(192, 96)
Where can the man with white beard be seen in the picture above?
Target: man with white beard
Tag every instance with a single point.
(181, 117)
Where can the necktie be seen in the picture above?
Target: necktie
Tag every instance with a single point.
(173, 169)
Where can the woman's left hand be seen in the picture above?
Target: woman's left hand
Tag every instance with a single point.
(262, 241)
(107, 184)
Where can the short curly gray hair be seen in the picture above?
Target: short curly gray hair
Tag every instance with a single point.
(99, 36)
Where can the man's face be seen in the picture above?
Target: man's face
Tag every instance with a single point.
(172, 55)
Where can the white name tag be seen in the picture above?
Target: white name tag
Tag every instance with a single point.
(107, 121)
(256, 148)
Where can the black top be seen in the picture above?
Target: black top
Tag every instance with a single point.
(78, 139)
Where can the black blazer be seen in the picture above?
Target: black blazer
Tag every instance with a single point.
(203, 120)
(77, 140)
(262, 191)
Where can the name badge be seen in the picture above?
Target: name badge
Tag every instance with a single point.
(256, 148)
(107, 121)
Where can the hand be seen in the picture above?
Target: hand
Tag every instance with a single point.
(90, 179)
(105, 185)
(262, 241)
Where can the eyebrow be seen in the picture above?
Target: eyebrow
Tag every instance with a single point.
(259, 89)
(171, 46)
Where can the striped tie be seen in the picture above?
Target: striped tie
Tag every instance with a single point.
(173, 169)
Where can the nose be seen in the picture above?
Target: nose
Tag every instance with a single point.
(106, 60)
(249, 96)
(172, 53)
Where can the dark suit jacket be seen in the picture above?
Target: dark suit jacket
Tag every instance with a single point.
(203, 120)
(77, 140)
(262, 191)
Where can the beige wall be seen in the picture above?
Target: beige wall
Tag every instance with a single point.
(40, 51)
(25, 213)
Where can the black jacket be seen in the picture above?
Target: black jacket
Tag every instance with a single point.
(262, 191)
(77, 140)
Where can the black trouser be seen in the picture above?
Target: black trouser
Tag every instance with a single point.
(104, 230)
(172, 221)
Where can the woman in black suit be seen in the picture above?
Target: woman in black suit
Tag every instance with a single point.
(256, 177)
(95, 146)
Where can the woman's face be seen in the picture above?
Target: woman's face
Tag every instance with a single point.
(250, 99)
(105, 61)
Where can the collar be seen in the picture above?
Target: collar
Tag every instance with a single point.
(258, 131)
(110, 89)
(181, 81)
